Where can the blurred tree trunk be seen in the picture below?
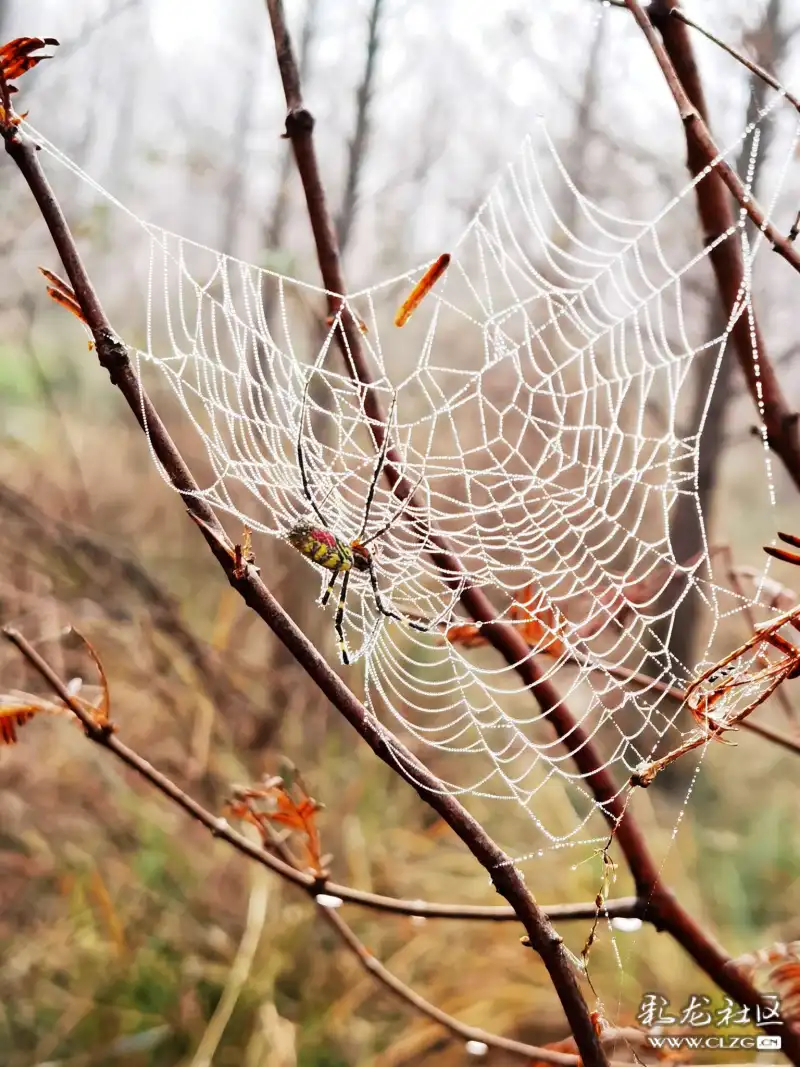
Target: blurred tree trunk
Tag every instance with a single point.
(357, 149)
(583, 132)
(233, 187)
(129, 76)
(685, 528)
(5, 18)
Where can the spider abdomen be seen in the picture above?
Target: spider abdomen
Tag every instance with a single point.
(321, 546)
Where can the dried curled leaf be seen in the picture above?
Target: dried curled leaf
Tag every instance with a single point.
(284, 804)
(778, 969)
(537, 623)
(12, 717)
(62, 293)
(18, 708)
(101, 712)
(16, 58)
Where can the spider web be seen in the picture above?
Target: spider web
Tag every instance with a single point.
(538, 400)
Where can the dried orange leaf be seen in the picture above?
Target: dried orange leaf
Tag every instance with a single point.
(779, 966)
(421, 289)
(468, 635)
(533, 618)
(65, 302)
(18, 708)
(297, 815)
(13, 717)
(101, 713)
(17, 58)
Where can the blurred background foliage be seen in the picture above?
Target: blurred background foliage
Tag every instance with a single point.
(120, 923)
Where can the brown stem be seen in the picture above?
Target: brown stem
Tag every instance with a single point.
(753, 67)
(375, 969)
(663, 908)
(673, 51)
(625, 907)
(113, 355)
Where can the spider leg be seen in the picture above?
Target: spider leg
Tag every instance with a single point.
(301, 459)
(327, 594)
(389, 612)
(396, 513)
(378, 468)
(340, 617)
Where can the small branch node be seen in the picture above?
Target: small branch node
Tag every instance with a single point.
(299, 120)
(643, 775)
(113, 355)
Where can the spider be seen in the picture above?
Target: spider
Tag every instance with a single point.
(325, 548)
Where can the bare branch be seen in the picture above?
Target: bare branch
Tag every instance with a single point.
(283, 865)
(624, 907)
(662, 905)
(114, 356)
(678, 66)
(376, 969)
(752, 66)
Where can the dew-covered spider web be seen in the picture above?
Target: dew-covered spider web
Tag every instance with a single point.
(539, 399)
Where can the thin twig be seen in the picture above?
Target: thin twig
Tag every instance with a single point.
(663, 909)
(114, 356)
(283, 864)
(676, 60)
(377, 970)
(624, 907)
(593, 767)
(753, 67)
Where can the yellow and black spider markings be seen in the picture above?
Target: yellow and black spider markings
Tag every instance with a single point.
(324, 548)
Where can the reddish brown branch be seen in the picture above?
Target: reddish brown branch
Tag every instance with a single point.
(375, 969)
(625, 907)
(673, 51)
(663, 908)
(114, 357)
(281, 864)
(749, 64)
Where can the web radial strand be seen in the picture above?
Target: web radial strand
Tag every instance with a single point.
(539, 398)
